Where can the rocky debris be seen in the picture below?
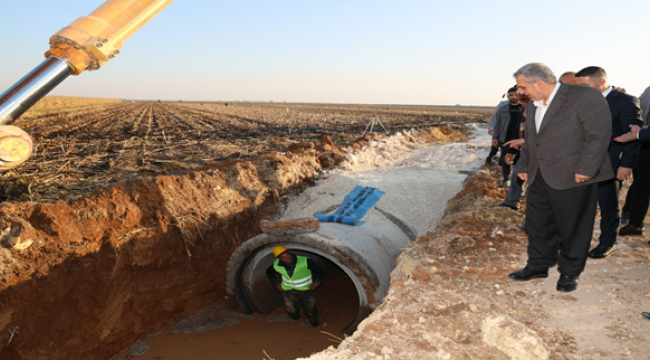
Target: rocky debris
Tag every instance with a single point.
(17, 236)
(513, 338)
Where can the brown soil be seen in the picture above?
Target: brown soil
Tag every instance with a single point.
(130, 259)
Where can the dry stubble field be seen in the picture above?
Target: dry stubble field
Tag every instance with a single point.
(81, 144)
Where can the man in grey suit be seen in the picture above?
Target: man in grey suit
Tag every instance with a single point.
(568, 130)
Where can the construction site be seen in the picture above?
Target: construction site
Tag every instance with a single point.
(153, 257)
(147, 230)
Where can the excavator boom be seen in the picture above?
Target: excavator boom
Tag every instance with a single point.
(86, 44)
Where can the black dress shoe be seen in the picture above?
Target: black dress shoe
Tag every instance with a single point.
(601, 251)
(646, 315)
(503, 204)
(526, 274)
(630, 230)
(567, 283)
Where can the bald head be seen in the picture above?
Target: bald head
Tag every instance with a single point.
(568, 77)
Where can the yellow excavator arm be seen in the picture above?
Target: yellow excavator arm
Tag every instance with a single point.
(86, 44)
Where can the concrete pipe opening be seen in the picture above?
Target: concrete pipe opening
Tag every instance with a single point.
(365, 254)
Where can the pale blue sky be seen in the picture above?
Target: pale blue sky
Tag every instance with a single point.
(374, 52)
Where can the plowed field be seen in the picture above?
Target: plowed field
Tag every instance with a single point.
(80, 149)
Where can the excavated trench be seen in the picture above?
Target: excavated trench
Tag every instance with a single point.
(87, 278)
(358, 261)
(218, 332)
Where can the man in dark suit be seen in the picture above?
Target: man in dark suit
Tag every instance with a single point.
(568, 131)
(638, 195)
(626, 111)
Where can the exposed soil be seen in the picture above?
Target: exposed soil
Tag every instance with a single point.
(128, 260)
(89, 276)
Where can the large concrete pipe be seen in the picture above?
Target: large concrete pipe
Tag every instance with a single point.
(365, 253)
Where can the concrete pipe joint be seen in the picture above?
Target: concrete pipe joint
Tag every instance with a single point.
(366, 254)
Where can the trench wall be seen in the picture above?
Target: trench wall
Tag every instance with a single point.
(104, 270)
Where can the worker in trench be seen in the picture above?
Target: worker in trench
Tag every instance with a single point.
(300, 276)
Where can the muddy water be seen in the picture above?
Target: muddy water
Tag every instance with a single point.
(251, 335)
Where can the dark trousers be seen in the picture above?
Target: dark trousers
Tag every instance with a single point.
(638, 196)
(610, 216)
(552, 215)
(493, 151)
(294, 300)
(502, 161)
(517, 189)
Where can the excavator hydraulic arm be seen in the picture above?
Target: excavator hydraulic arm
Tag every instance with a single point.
(86, 44)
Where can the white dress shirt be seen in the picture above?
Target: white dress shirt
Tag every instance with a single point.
(540, 108)
(609, 90)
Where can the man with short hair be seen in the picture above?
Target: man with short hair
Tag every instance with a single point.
(506, 128)
(300, 276)
(516, 190)
(568, 130)
(626, 111)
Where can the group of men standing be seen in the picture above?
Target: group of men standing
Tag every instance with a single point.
(578, 148)
(576, 140)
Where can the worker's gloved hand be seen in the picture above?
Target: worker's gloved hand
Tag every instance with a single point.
(313, 286)
(279, 287)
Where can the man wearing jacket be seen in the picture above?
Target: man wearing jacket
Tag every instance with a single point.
(494, 149)
(568, 131)
(506, 128)
(626, 111)
(638, 196)
(299, 277)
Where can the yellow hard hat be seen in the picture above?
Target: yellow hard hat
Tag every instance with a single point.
(279, 250)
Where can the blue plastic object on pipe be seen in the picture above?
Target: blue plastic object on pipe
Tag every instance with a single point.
(355, 205)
